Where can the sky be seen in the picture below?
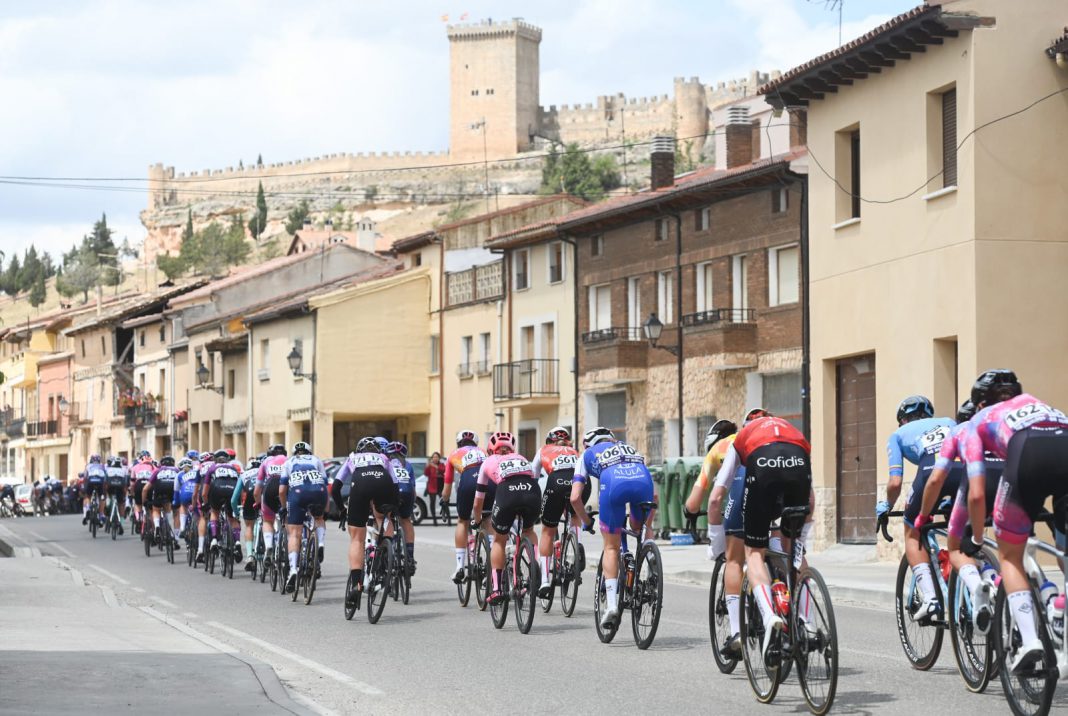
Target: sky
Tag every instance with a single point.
(103, 88)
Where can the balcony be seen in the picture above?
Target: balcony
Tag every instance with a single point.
(12, 425)
(483, 367)
(480, 283)
(42, 428)
(146, 415)
(615, 347)
(728, 335)
(526, 381)
(464, 370)
(719, 315)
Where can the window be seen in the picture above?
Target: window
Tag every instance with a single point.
(755, 146)
(597, 245)
(83, 347)
(702, 218)
(435, 354)
(548, 340)
(231, 380)
(665, 296)
(526, 342)
(740, 283)
(489, 91)
(654, 439)
(103, 345)
(466, 347)
(141, 338)
(417, 259)
(703, 288)
(847, 174)
(661, 228)
(556, 262)
(474, 93)
(522, 269)
(600, 307)
(781, 395)
(162, 333)
(783, 284)
(265, 359)
(483, 353)
(634, 302)
(780, 200)
(949, 137)
(612, 413)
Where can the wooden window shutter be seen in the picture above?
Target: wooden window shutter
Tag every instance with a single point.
(949, 138)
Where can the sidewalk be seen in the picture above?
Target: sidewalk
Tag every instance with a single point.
(851, 571)
(73, 647)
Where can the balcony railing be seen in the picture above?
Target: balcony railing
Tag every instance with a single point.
(480, 283)
(719, 315)
(616, 333)
(531, 378)
(152, 415)
(12, 425)
(42, 428)
(464, 370)
(483, 367)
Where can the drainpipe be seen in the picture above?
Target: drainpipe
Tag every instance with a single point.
(575, 325)
(441, 343)
(315, 372)
(806, 348)
(250, 428)
(500, 347)
(678, 323)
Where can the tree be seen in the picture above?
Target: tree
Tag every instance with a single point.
(259, 160)
(39, 292)
(296, 216)
(211, 251)
(82, 271)
(187, 232)
(12, 277)
(171, 266)
(574, 173)
(258, 223)
(100, 242)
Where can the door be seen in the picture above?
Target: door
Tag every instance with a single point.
(856, 449)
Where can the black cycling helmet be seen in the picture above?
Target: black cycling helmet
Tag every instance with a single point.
(994, 386)
(965, 411)
(276, 449)
(368, 444)
(719, 430)
(302, 448)
(254, 462)
(914, 407)
(114, 461)
(167, 461)
(222, 456)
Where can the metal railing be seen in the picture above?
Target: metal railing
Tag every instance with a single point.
(464, 370)
(529, 378)
(616, 333)
(152, 415)
(42, 428)
(483, 367)
(719, 315)
(12, 425)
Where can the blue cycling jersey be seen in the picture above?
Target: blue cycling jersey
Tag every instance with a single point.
(611, 460)
(906, 443)
(404, 473)
(303, 471)
(184, 485)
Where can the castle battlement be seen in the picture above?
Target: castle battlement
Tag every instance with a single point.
(488, 28)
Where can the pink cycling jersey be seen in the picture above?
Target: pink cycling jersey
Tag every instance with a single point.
(993, 427)
(141, 471)
(949, 452)
(271, 467)
(498, 468)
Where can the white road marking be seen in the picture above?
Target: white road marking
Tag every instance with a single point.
(138, 589)
(303, 661)
(189, 615)
(52, 543)
(109, 596)
(190, 631)
(164, 602)
(309, 704)
(111, 575)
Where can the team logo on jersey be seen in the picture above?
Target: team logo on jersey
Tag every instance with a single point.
(780, 462)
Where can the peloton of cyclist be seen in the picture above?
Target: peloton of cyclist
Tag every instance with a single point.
(558, 459)
(372, 482)
(466, 461)
(302, 485)
(95, 478)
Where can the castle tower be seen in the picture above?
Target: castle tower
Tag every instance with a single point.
(493, 77)
(691, 115)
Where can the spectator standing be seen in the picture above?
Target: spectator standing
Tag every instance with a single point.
(435, 476)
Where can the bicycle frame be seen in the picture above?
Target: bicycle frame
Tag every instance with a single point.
(1037, 576)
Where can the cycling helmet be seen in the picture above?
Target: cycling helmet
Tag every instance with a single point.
(185, 463)
(154, 462)
(222, 456)
(966, 411)
(114, 462)
(501, 440)
(94, 459)
(301, 448)
(558, 434)
(595, 435)
(383, 444)
(276, 449)
(368, 445)
(124, 461)
(231, 452)
(254, 462)
(397, 448)
(206, 457)
(144, 456)
(755, 413)
(167, 460)
(466, 436)
(719, 430)
(914, 407)
(192, 454)
(994, 386)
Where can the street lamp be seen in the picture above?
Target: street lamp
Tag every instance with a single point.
(204, 379)
(296, 362)
(653, 328)
(63, 405)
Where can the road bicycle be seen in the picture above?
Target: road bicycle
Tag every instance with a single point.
(279, 554)
(113, 523)
(94, 512)
(190, 536)
(227, 543)
(719, 624)
(523, 577)
(809, 637)
(568, 560)
(1030, 690)
(259, 551)
(476, 566)
(307, 560)
(641, 585)
(378, 565)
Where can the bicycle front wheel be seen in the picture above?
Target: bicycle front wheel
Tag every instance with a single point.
(600, 605)
(381, 568)
(480, 573)
(1029, 691)
(311, 566)
(525, 585)
(921, 642)
(815, 641)
(763, 676)
(168, 540)
(569, 575)
(719, 623)
(971, 648)
(648, 595)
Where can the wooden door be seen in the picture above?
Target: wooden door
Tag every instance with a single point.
(856, 449)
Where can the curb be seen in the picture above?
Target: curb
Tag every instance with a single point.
(8, 548)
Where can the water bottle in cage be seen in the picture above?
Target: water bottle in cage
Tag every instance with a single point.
(781, 597)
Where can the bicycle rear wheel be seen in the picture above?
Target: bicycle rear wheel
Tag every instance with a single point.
(815, 641)
(719, 623)
(146, 539)
(972, 649)
(647, 598)
(480, 574)
(569, 575)
(380, 571)
(763, 677)
(921, 643)
(311, 566)
(350, 610)
(499, 611)
(600, 605)
(190, 548)
(228, 552)
(525, 586)
(168, 539)
(1029, 691)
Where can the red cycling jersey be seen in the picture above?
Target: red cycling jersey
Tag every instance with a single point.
(455, 464)
(765, 431)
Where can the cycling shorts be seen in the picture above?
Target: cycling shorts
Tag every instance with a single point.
(557, 497)
(309, 497)
(269, 503)
(97, 485)
(465, 495)
(732, 510)
(958, 518)
(517, 496)
(365, 490)
(185, 499)
(1036, 467)
(160, 494)
(118, 491)
(615, 496)
(220, 492)
(248, 512)
(139, 491)
(405, 505)
(777, 475)
(923, 473)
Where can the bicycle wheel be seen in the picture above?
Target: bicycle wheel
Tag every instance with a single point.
(146, 539)
(719, 623)
(311, 567)
(972, 649)
(261, 554)
(397, 568)
(190, 548)
(480, 574)
(921, 643)
(647, 597)
(815, 641)
(1029, 691)
(463, 589)
(763, 676)
(350, 611)
(113, 521)
(405, 578)
(168, 540)
(568, 574)
(600, 604)
(525, 585)
(228, 553)
(380, 571)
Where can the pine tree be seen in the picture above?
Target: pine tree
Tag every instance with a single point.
(187, 232)
(258, 223)
(297, 215)
(39, 292)
(11, 277)
(82, 271)
(259, 160)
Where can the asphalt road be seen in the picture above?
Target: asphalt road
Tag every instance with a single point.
(433, 656)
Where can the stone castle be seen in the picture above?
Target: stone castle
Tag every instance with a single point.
(495, 115)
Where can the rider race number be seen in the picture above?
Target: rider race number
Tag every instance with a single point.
(510, 468)
(931, 441)
(1032, 414)
(403, 476)
(564, 462)
(472, 458)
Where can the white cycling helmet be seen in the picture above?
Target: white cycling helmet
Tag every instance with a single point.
(466, 435)
(595, 435)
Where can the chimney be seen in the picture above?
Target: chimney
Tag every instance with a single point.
(739, 135)
(662, 163)
(307, 222)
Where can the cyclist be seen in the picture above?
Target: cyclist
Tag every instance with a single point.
(372, 482)
(517, 495)
(917, 439)
(777, 475)
(466, 460)
(95, 478)
(200, 501)
(558, 459)
(266, 494)
(719, 430)
(624, 480)
(218, 485)
(184, 486)
(245, 497)
(397, 452)
(139, 474)
(158, 492)
(302, 486)
(116, 482)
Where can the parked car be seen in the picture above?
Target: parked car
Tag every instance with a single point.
(24, 498)
(419, 509)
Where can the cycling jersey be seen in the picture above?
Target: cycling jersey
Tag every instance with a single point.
(267, 479)
(558, 462)
(116, 477)
(161, 485)
(455, 463)
(517, 493)
(139, 475)
(624, 480)
(991, 429)
(498, 468)
(713, 459)
(185, 485)
(305, 477)
(373, 481)
(906, 442)
(245, 486)
(403, 470)
(220, 480)
(470, 464)
(735, 484)
(95, 476)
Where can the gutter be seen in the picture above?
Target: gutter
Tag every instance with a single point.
(806, 333)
